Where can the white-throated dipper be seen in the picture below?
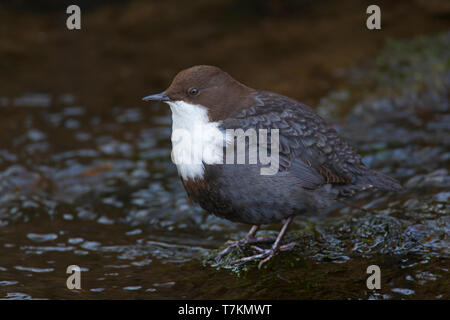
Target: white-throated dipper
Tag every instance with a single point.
(314, 166)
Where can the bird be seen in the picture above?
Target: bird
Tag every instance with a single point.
(315, 166)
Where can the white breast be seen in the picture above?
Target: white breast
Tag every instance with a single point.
(195, 140)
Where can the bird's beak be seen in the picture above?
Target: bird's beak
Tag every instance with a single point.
(157, 97)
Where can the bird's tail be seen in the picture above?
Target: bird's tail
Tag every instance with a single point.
(382, 182)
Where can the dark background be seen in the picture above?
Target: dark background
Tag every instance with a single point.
(127, 49)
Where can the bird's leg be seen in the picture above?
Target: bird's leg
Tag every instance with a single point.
(251, 234)
(267, 254)
(249, 238)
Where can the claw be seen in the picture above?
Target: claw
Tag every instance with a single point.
(266, 254)
(258, 249)
(271, 254)
(239, 243)
(250, 258)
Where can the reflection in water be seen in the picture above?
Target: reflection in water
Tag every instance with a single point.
(102, 194)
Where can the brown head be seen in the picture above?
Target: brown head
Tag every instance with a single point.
(209, 87)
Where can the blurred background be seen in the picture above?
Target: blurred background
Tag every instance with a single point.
(85, 171)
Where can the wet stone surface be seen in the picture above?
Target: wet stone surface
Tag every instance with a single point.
(101, 192)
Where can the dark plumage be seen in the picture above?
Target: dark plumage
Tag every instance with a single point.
(316, 165)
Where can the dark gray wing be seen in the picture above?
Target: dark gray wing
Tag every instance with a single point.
(309, 147)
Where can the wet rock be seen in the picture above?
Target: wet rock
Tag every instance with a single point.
(438, 178)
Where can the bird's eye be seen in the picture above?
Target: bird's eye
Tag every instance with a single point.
(193, 91)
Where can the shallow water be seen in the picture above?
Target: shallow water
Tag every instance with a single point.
(100, 192)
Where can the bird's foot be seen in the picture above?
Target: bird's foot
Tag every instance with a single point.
(231, 245)
(242, 243)
(265, 254)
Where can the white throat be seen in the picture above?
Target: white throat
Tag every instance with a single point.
(195, 140)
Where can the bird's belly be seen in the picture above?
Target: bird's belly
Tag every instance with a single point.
(243, 196)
